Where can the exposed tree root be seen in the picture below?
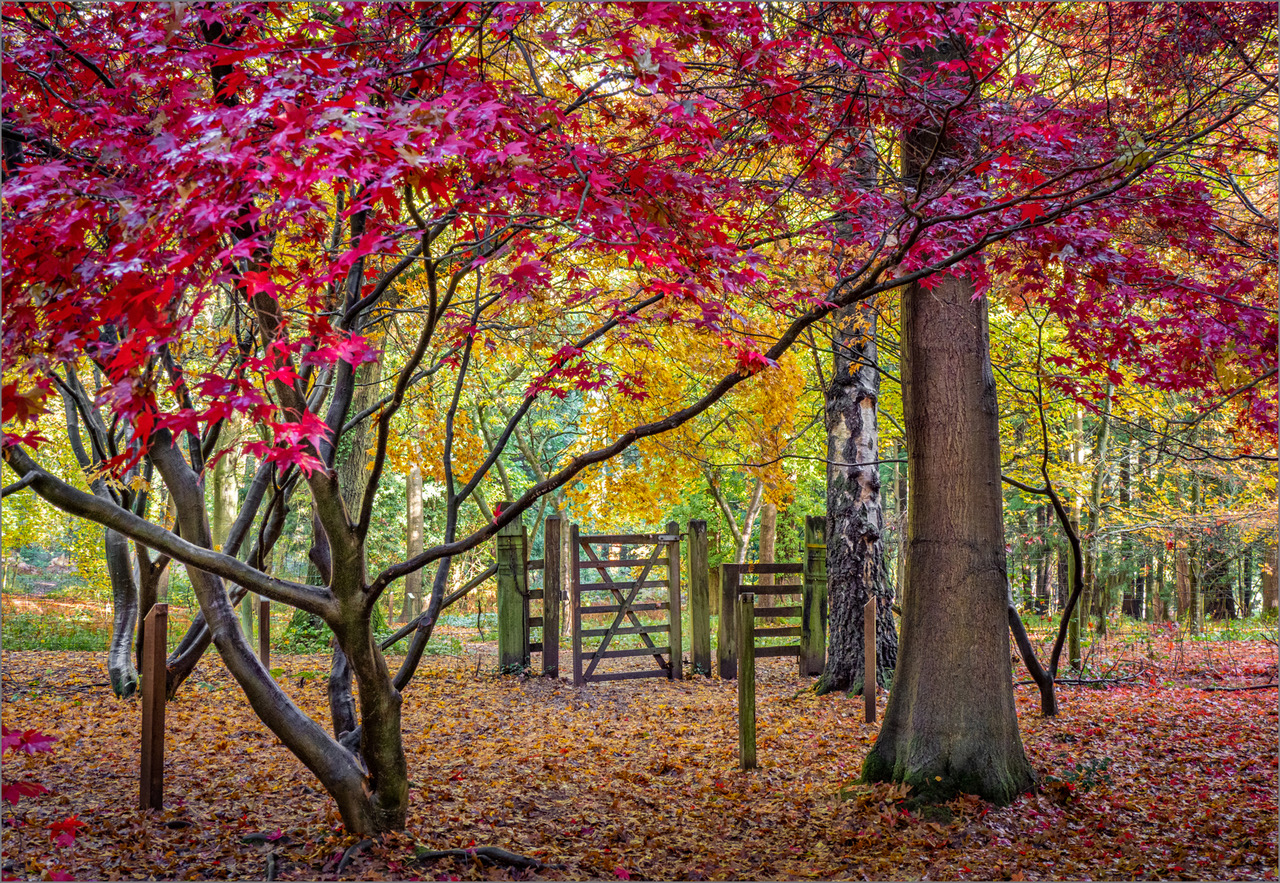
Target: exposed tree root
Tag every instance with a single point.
(491, 855)
(352, 851)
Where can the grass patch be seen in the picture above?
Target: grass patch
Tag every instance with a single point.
(31, 631)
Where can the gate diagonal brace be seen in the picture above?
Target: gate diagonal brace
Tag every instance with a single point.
(625, 603)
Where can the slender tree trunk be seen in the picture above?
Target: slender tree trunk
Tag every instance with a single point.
(1090, 602)
(900, 511)
(768, 539)
(1182, 583)
(1246, 581)
(412, 605)
(1195, 568)
(855, 511)
(1270, 572)
(1073, 634)
(226, 505)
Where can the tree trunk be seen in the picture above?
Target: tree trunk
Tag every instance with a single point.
(951, 725)
(1093, 602)
(768, 539)
(1246, 581)
(1270, 579)
(900, 511)
(1073, 635)
(124, 602)
(855, 512)
(1182, 582)
(412, 605)
(226, 505)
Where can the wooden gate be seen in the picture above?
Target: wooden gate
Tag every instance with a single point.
(624, 603)
(811, 629)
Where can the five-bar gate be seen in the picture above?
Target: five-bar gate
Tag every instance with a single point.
(628, 606)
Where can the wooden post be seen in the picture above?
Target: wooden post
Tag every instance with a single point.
(673, 592)
(699, 598)
(746, 610)
(813, 623)
(523, 563)
(713, 589)
(513, 633)
(726, 646)
(869, 651)
(551, 582)
(154, 649)
(264, 631)
(575, 605)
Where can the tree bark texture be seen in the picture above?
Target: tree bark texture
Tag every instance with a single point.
(950, 725)
(855, 510)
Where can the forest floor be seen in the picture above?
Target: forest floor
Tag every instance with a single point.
(1172, 774)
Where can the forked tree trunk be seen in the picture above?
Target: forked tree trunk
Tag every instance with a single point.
(950, 725)
(855, 510)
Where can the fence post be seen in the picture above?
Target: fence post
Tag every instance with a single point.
(699, 599)
(713, 589)
(513, 631)
(551, 582)
(264, 631)
(813, 623)
(154, 649)
(575, 605)
(746, 611)
(869, 655)
(726, 646)
(673, 585)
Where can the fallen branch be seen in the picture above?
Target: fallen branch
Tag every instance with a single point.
(1267, 686)
(1079, 682)
(493, 855)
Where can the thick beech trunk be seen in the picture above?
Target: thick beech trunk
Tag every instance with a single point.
(950, 725)
(855, 511)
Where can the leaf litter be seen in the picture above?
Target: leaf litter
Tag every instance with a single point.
(1151, 778)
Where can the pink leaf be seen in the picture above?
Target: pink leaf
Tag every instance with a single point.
(12, 792)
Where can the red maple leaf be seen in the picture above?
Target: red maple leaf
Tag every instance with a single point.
(64, 832)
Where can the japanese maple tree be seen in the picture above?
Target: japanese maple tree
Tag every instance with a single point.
(482, 173)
